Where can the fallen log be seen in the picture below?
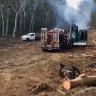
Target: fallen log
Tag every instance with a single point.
(82, 80)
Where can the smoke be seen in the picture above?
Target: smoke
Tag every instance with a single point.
(77, 12)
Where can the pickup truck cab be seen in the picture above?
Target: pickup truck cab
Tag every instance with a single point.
(29, 36)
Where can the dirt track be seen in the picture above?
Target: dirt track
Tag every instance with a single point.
(24, 67)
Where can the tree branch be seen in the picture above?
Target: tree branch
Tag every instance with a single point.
(13, 8)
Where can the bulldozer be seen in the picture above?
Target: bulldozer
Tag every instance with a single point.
(59, 39)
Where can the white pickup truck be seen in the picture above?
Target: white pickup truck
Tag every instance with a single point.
(29, 36)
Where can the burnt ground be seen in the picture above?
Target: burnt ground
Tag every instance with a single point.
(25, 70)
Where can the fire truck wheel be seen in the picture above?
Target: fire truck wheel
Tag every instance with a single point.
(27, 39)
(69, 44)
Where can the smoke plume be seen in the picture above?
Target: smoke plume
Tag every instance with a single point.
(77, 12)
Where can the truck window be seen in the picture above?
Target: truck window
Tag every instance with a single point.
(32, 35)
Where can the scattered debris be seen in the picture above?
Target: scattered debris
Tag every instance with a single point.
(93, 65)
(70, 72)
(89, 71)
(87, 54)
(71, 56)
(42, 87)
(61, 92)
(94, 41)
(88, 91)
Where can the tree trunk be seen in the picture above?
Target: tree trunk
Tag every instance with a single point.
(7, 22)
(15, 26)
(31, 23)
(32, 19)
(21, 18)
(24, 22)
(21, 22)
(46, 17)
(2, 21)
(80, 81)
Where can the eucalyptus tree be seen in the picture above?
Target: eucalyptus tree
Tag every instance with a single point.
(2, 4)
(17, 6)
(8, 8)
(24, 12)
(34, 4)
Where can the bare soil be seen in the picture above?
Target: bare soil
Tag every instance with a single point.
(25, 70)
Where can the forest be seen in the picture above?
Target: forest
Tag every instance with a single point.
(23, 16)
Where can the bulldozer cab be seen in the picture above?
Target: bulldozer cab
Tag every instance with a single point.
(74, 33)
(78, 37)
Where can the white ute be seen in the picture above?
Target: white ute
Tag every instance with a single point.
(29, 36)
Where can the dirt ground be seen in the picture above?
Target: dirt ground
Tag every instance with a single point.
(25, 70)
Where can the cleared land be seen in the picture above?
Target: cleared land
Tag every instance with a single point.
(27, 71)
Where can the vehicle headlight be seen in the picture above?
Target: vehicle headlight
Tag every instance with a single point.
(22, 37)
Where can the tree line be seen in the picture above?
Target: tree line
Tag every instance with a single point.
(23, 16)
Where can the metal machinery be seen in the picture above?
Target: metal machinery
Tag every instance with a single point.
(63, 38)
(79, 37)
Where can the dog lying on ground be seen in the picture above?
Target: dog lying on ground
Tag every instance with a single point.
(69, 72)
